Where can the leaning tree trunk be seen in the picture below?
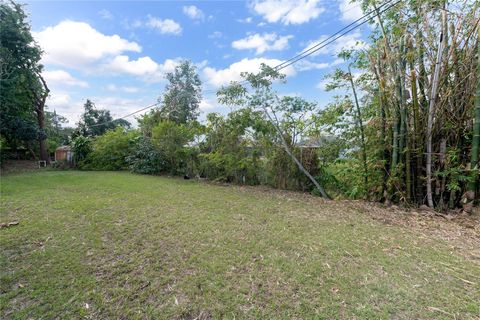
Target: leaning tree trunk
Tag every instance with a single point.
(290, 153)
(431, 112)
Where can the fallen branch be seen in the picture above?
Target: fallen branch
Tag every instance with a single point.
(9, 224)
(439, 310)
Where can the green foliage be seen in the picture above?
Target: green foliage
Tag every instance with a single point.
(81, 147)
(347, 178)
(95, 122)
(62, 165)
(144, 157)
(110, 150)
(232, 147)
(172, 141)
(19, 69)
(56, 133)
(182, 96)
(288, 116)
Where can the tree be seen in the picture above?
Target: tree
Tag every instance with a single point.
(232, 147)
(57, 134)
(145, 158)
(171, 140)
(262, 97)
(183, 94)
(95, 122)
(23, 91)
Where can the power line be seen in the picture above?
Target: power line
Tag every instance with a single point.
(331, 36)
(126, 116)
(337, 37)
(302, 55)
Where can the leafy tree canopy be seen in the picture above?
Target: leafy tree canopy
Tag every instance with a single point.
(95, 122)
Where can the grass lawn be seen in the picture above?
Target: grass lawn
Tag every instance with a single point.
(112, 245)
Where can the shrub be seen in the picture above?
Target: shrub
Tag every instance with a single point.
(81, 147)
(61, 165)
(172, 140)
(145, 158)
(110, 150)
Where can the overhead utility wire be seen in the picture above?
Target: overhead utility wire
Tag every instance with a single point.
(126, 116)
(332, 38)
(336, 38)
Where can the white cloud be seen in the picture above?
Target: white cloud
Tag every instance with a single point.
(221, 77)
(350, 11)
(119, 106)
(207, 104)
(288, 11)
(139, 67)
(338, 61)
(76, 44)
(246, 20)
(114, 88)
(322, 85)
(304, 65)
(144, 67)
(62, 77)
(63, 104)
(166, 26)
(105, 14)
(349, 41)
(58, 100)
(72, 109)
(193, 13)
(262, 43)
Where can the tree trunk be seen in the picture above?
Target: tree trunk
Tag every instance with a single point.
(42, 139)
(39, 107)
(431, 112)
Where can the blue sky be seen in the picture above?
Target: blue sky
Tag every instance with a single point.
(117, 52)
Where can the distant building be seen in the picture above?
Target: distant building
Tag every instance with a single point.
(64, 153)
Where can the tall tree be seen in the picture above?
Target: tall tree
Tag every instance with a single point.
(183, 94)
(23, 91)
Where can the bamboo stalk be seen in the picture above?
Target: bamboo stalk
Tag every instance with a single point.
(362, 131)
(474, 163)
(431, 112)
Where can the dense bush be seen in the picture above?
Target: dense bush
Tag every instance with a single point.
(81, 147)
(173, 140)
(110, 150)
(144, 158)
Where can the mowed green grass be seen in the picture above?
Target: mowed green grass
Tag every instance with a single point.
(113, 245)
